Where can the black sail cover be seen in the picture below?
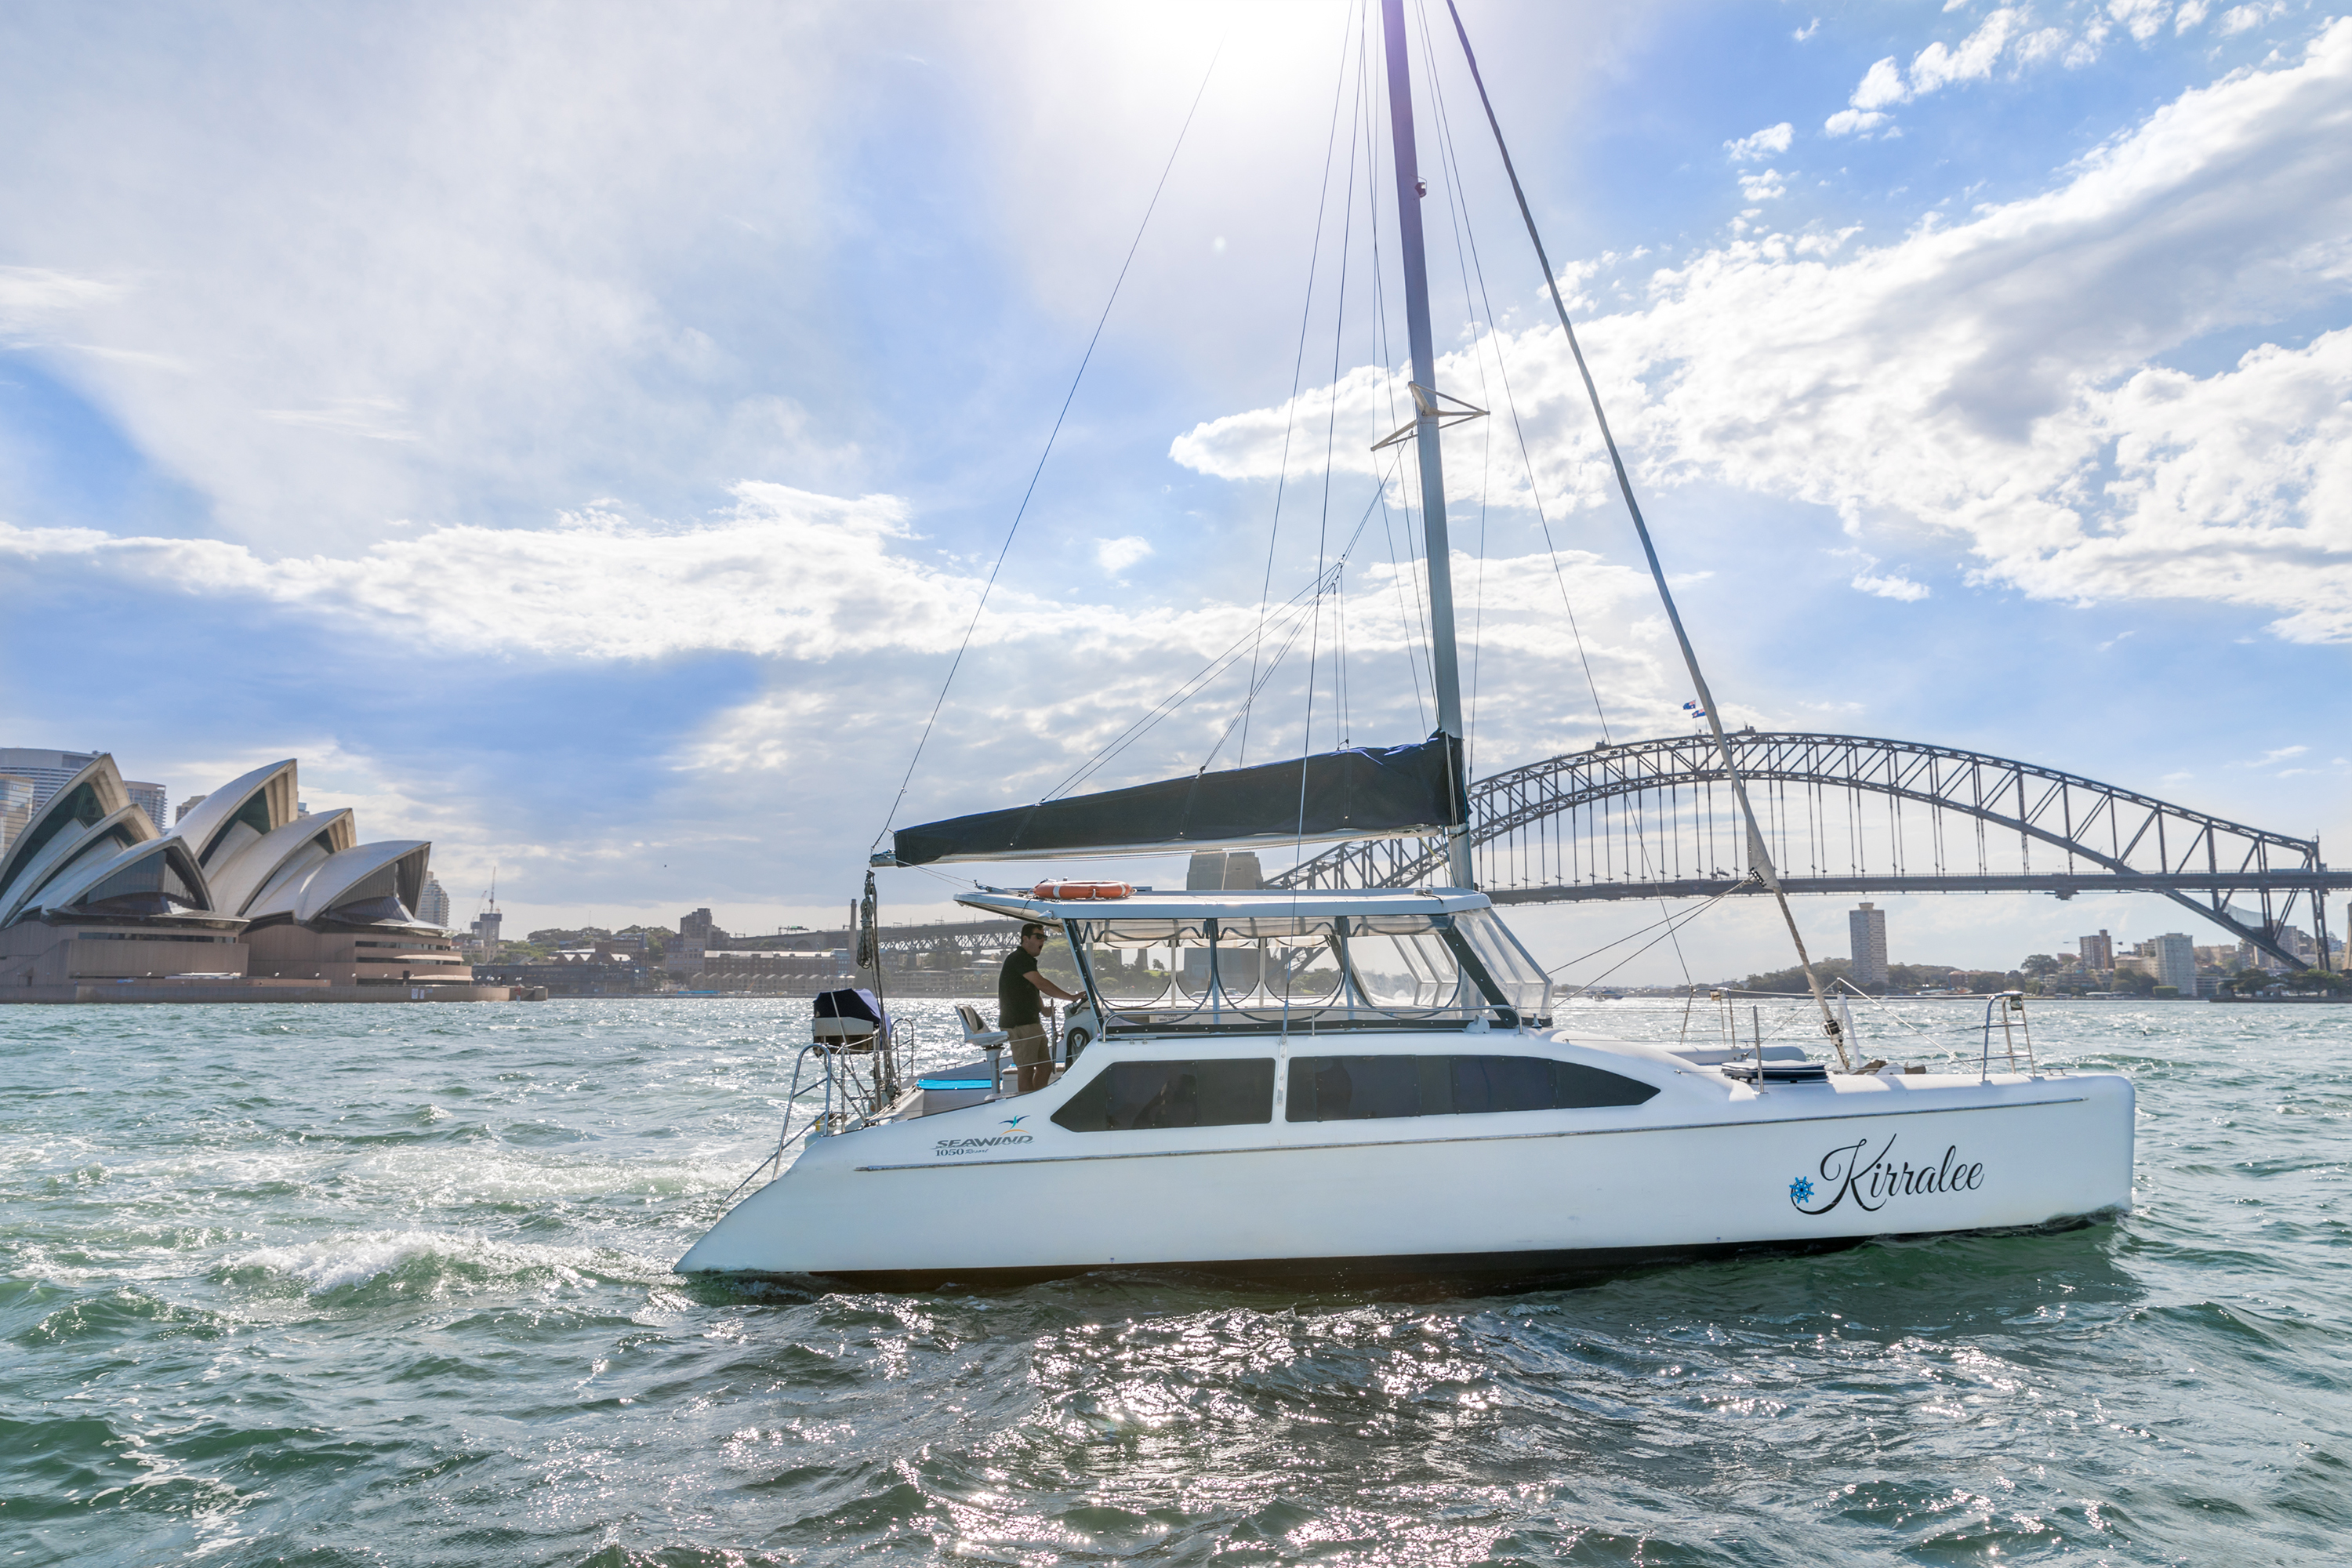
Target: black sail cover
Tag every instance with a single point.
(1357, 793)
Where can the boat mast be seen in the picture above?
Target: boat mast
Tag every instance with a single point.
(1444, 667)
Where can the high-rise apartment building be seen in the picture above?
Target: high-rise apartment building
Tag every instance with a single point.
(1866, 926)
(150, 798)
(433, 904)
(486, 933)
(15, 807)
(189, 805)
(2098, 952)
(2175, 962)
(698, 927)
(47, 771)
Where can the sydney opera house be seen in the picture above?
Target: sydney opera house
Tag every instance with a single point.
(244, 899)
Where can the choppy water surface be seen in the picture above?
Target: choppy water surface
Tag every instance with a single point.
(390, 1285)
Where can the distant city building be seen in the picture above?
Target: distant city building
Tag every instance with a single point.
(484, 932)
(1866, 927)
(16, 806)
(189, 805)
(698, 927)
(433, 904)
(49, 771)
(2098, 952)
(2174, 963)
(150, 798)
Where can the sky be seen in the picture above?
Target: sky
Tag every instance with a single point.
(582, 435)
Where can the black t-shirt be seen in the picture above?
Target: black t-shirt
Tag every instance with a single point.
(1016, 996)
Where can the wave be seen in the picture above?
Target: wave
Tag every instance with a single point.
(437, 1260)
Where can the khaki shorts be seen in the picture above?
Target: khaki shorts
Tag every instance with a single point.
(1028, 1043)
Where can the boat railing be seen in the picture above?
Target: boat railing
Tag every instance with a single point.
(2011, 1005)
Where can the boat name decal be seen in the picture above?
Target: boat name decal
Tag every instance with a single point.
(948, 1146)
(1849, 1171)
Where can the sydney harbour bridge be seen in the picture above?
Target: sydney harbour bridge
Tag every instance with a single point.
(1849, 815)
(1840, 813)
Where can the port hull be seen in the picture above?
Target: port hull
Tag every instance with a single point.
(1705, 1168)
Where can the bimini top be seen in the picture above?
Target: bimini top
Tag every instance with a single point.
(1271, 903)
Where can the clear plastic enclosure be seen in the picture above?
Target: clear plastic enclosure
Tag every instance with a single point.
(1306, 972)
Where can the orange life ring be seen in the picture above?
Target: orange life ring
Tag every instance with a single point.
(1068, 890)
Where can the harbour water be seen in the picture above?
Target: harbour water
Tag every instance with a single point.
(390, 1285)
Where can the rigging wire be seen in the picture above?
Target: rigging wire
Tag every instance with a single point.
(1413, 614)
(1457, 218)
(1330, 440)
(1298, 363)
(1759, 855)
(1292, 613)
(1475, 265)
(1679, 922)
(1023, 510)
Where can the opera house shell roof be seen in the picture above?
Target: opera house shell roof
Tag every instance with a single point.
(242, 864)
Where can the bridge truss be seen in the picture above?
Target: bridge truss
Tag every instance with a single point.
(1848, 814)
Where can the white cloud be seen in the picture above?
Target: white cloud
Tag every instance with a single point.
(785, 573)
(812, 580)
(1892, 586)
(1762, 187)
(1936, 66)
(1881, 85)
(2141, 18)
(1115, 555)
(2240, 18)
(1761, 144)
(27, 291)
(2190, 13)
(1999, 379)
(377, 418)
(1808, 30)
(1975, 59)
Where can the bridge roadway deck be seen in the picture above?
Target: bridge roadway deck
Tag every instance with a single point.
(2064, 886)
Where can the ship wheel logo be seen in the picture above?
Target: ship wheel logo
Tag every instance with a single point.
(1801, 1190)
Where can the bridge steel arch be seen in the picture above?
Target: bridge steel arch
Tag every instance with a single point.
(1650, 812)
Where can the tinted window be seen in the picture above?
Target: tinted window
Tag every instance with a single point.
(1350, 1089)
(1137, 1096)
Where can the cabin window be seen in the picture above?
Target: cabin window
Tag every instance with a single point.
(1357, 1089)
(1134, 1097)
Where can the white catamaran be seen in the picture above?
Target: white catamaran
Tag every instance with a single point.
(1369, 1082)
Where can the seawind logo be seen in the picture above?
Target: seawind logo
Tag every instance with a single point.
(947, 1147)
(1852, 1171)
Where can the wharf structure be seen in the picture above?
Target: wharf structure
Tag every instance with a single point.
(246, 898)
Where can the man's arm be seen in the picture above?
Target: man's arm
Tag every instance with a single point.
(1038, 978)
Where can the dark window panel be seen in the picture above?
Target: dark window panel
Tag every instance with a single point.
(1140, 1096)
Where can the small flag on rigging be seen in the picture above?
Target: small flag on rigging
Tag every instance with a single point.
(1694, 709)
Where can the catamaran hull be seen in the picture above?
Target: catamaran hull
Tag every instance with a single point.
(960, 1198)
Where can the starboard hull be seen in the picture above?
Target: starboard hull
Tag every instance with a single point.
(1693, 1173)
